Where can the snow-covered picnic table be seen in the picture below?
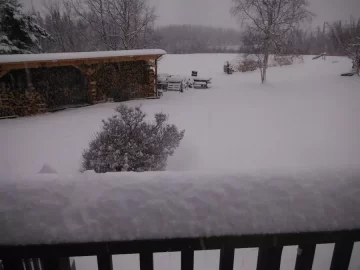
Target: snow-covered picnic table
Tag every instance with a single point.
(202, 82)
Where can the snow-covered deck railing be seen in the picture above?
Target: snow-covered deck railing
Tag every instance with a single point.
(54, 216)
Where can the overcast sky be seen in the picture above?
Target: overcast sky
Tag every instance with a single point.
(216, 12)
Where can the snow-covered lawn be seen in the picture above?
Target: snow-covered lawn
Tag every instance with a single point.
(305, 117)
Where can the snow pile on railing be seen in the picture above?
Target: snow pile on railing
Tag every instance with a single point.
(51, 208)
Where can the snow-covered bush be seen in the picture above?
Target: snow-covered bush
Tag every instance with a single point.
(283, 60)
(128, 143)
(248, 63)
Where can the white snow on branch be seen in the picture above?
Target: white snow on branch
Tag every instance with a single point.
(87, 207)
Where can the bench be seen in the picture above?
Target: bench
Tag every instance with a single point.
(175, 86)
(202, 82)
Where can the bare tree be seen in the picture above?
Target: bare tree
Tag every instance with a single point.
(270, 25)
(347, 37)
(62, 24)
(117, 24)
(133, 18)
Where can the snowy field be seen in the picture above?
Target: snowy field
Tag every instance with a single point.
(305, 118)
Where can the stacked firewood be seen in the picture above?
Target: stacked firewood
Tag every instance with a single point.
(125, 80)
(21, 104)
(35, 103)
(5, 105)
(151, 86)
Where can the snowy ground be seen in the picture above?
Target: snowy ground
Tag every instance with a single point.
(304, 118)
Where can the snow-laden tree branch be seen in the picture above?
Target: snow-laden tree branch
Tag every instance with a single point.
(19, 31)
(119, 24)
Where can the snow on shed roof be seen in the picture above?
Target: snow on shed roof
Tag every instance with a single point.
(20, 58)
(90, 207)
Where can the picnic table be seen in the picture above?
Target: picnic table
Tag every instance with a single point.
(202, 82)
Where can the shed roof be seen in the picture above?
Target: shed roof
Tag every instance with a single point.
(16, 58)
(19, 61)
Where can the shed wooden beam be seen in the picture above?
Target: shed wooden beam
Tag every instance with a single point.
(3, 73)
(87, 70)
(76, 62)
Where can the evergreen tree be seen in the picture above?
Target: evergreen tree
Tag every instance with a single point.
(19, 32)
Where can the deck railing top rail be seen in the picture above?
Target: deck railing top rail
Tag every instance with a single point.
(55, 209)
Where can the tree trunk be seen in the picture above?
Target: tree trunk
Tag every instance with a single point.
(264, 67)
(266, 59)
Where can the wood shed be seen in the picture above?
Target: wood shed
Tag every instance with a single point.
(36, 83)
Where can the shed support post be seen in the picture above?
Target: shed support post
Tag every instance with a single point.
(88, 71)
(3, 73)
(92, 90)
(156, 78)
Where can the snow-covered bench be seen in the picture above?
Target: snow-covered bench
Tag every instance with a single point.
(202, 82)
(163, 81)
(175, 83)
(174, 86)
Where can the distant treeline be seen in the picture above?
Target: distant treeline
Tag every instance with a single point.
(94, 25)
(180, 39)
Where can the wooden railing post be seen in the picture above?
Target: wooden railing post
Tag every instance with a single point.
(269, 258)
(36, 262)
(226, 258)
(55, 263)
(73, 265)
(342, 255)
(13, 264)
(305, 257)
(187, 259)
(146, 261)
(27, 263)
(105, 262)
